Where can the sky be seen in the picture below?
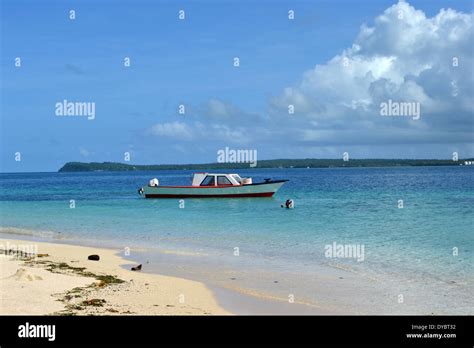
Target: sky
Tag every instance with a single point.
(335, 64)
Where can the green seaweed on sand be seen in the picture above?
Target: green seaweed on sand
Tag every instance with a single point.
(109, 279)
(77, 292)
(58, 267)
(96, 302)
(72, 307)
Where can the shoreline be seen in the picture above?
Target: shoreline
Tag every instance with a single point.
(240, 300)
(329, 290)
(228, 300)
(58, 279)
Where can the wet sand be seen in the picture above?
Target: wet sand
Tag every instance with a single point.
(59, 279)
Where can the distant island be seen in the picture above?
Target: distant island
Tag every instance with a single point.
(276, 163)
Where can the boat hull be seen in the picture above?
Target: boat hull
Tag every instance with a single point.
(267, 189)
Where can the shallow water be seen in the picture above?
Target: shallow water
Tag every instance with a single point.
(346, 206)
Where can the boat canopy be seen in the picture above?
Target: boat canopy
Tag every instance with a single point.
(219, 179)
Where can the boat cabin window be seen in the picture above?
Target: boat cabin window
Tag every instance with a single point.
(237, 178)
(208, 181)
(222, 180)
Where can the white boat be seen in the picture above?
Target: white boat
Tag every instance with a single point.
(213, 185)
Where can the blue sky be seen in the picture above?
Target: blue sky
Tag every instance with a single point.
(190, 62)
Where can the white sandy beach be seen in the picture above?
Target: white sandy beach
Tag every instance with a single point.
(60, 280)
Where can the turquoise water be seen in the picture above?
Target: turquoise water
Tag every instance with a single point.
(342, 205)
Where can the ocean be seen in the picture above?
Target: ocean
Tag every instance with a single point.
(411, 229)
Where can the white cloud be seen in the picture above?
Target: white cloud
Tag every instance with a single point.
(215, 120)
(404, 56)
(83, 152)
(196, 130)
(218, 108)
(175, 129)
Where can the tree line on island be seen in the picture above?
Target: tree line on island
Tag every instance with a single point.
(276, 163)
